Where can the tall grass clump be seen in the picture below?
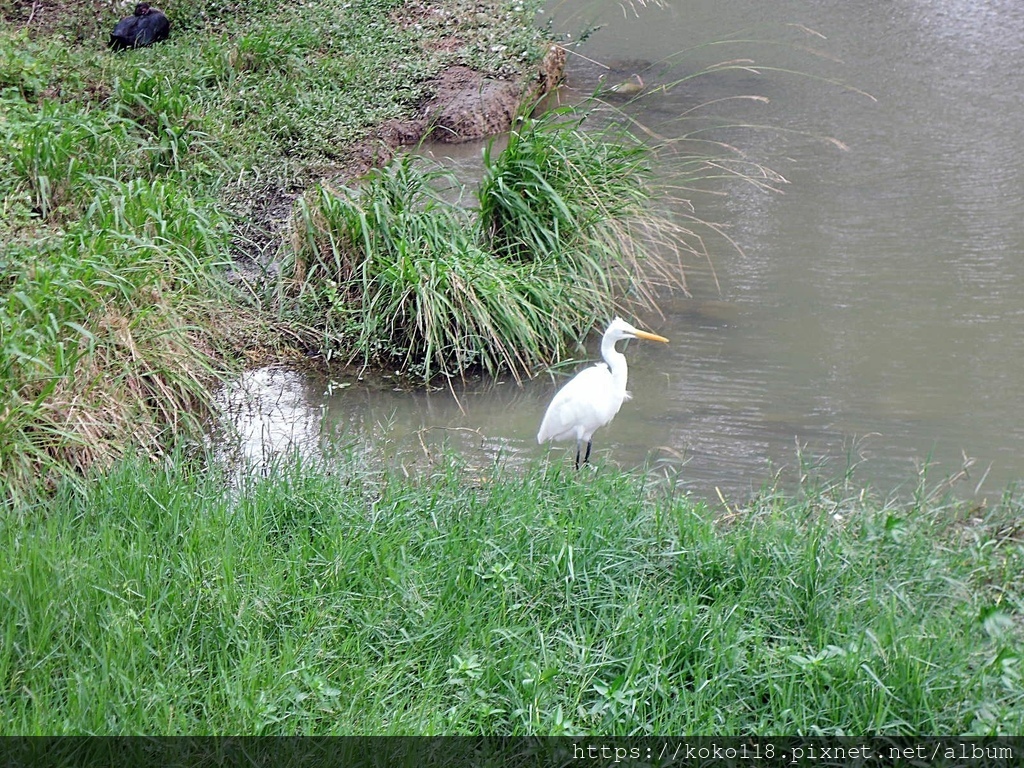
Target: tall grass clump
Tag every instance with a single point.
(57, 149)
(166, 123)
(562, 233)
(357, 601)
(107, 332)
(59, 154)
(554, 187)
(584, 202)
(395, 273)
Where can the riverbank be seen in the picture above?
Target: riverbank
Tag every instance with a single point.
(147, 194)
(349, 599)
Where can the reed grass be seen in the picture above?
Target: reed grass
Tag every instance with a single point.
(349, 600)
(585, 201)
(398, 276)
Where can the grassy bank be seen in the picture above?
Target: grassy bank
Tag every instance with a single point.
(133, 184)
(545, 601)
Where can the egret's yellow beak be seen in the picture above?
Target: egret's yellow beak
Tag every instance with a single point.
(651, 336)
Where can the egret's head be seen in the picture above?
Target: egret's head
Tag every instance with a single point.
(620, 329)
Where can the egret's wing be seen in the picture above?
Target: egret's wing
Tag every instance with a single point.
(585, 403)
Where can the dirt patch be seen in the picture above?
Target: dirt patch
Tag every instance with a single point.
(464, 106)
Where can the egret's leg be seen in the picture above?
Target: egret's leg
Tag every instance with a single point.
(578, 445)
(590, 444)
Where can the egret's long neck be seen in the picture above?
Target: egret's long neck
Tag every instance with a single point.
(616, 363)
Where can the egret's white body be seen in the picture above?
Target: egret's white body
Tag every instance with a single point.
(594, 395)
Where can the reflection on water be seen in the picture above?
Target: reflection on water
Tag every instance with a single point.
(270, 414)
(872, 310)
(273, 414)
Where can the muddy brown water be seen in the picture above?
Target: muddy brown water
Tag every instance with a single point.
(873, 312)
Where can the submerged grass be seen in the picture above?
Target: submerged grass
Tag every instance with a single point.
(543, 601)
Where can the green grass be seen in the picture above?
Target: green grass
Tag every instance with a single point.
(272, 87)
(132, 183)
(142, 594)
(543, 601)
(562, 232)
(109, 336)
(129, 182)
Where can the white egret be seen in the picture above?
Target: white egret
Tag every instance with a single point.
(594, 395)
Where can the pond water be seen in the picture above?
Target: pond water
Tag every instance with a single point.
(871, 311)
